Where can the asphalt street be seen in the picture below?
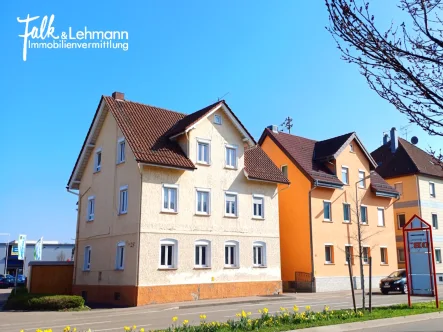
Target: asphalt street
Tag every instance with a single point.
(421, 326)
(159, 316)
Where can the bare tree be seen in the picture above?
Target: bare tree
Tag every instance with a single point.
(403, 64)
(61, 256)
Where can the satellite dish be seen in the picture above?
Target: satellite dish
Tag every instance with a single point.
(414, 140)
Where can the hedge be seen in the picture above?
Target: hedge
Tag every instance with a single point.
(25, 301)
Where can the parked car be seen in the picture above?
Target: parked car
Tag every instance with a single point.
(10, 279)
(21, 280)
(395, 282)
(4, 282)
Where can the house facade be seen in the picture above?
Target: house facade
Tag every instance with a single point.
(174, 207)
(419, 179)
(331, 181)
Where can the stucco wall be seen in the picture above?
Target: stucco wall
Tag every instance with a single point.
(338, 233)
(186, 227)
(108, 227)
(430, 205)
(294, 215)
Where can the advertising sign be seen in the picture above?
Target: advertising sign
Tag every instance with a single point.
(21, 247)
(419, 254)
(14, 251)
(38, 249)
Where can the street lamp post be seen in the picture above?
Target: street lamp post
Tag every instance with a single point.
(360, 252)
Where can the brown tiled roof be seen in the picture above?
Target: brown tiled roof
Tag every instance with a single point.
(301, 151)
(144, 128)
(378, 184)
(328, 148)
(408, 159)
(259, 166)
(191, 119)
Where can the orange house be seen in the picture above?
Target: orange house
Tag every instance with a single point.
(331, 180)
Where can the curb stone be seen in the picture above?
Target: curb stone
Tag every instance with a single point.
(374, 323)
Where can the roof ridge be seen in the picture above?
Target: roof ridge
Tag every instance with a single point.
(149, 105)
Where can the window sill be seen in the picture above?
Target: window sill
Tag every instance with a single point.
(346, 222)
(231, 168)
(168, 212)
(95, 172)
(120, 162)
(330, 221)
(259, 267)
(384, 264)
(86, 270)
(119, 269)
(258, 218)
(364, 224)
(202, 163)
(202, 268)
(166, 269)
(346, 264)
(381, 226)
(122, 213)
(232, 217)
(89, 220)
(198, 214)
(231, 267)
(329, 263)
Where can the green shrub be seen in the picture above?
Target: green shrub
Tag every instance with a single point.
(24, 301)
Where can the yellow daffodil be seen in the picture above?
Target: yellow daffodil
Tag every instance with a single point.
(295, 308)
(243, 314)
(75, 329)
(265, 310)
(127, 328)
(185, 322)
(238, 315)
(202, 317)
(308, 307)
(174, 319)
(142, 329)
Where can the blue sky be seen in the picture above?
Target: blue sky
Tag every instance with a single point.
(275, 59)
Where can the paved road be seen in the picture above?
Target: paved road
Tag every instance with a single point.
(422, 326)
(159, 316)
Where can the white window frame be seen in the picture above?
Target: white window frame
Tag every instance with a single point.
(87, 259)
(218, 120)
(236, 257)
(207, 244)
(398, 255)
(435, 254)
(121, 143)
(229, 193)
(351, 254)
(120, 257)
(361, 180)
(432, 219)
(122, 203)
(383, 217)
(344, 167)
(97, 166)
(262, 198)
(367, 217)
(349, 213)
(432, 189)
(91, 209)
(398, 220)
(386, 262)
(174, 256)
(281, 169)
(203, 141)
(330, 211)
(235, 148)
(368, 248)
(168, 209)
(197, 192)
(256, 246)
(331, 253)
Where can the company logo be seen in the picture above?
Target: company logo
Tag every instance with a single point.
(45, 36)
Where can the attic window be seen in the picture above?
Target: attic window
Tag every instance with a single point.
(217, 119)
(351, 147)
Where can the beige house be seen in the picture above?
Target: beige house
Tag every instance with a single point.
(174, 207)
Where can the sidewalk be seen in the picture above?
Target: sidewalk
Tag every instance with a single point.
(374, 324)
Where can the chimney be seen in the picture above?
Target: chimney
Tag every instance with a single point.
(274, 128)
(385, 139)
(394, 140)
(118, 95)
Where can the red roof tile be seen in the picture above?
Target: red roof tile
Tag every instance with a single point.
(259, 166)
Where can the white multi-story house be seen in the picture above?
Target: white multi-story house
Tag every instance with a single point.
(418, 177)
(173, 207)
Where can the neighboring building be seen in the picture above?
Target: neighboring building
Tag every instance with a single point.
(419, 179)
(174, 207)
(51, 251)
(318, 228)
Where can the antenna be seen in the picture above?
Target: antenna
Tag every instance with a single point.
(220, 98)
(288, 124)
(405, 131)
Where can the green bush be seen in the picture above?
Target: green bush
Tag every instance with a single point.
(24, 301)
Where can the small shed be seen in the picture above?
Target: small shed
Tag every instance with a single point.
(49, 277)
